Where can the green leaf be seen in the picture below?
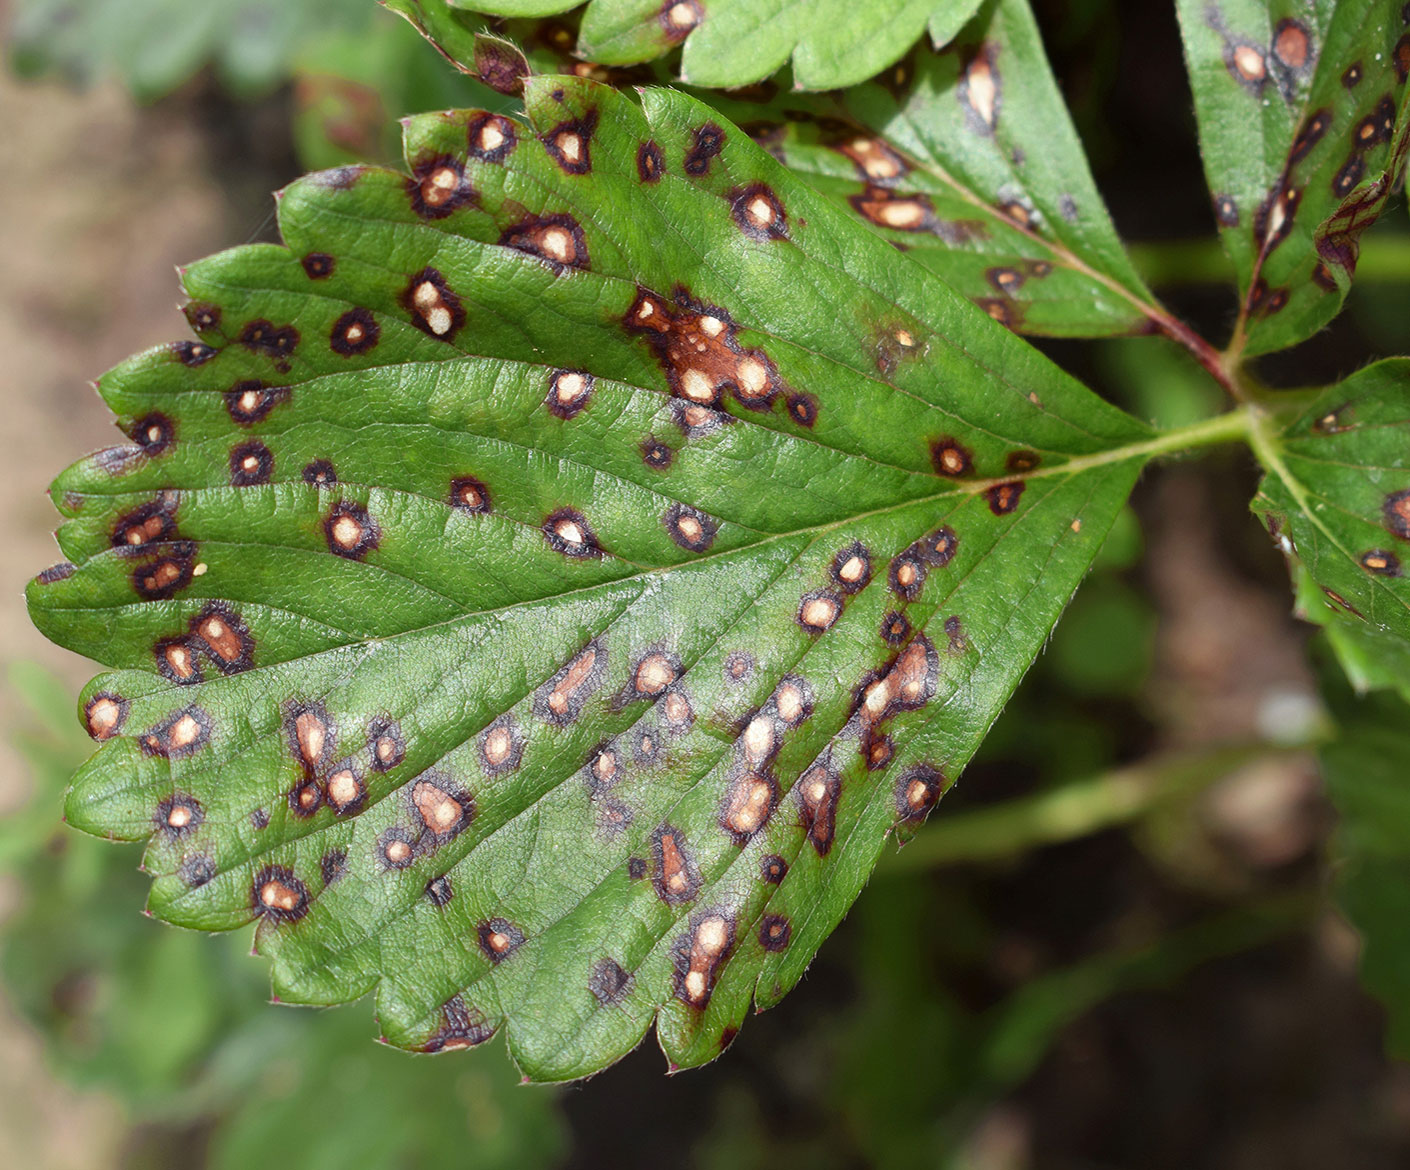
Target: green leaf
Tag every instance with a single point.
(535, 601)
(1336, 498)
(968, 159)
(1365, 770)
(729, 43)
(1304, 130)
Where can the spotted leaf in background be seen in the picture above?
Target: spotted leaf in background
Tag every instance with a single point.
(1336, 498)
(737, 42)
(1304, 133)
(535, 600)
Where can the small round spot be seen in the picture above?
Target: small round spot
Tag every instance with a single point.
(818, 611)
(568, 532)
(154, 433)
(851, 568)
(653, 673)
(749, 803)
(355, 332)
(793, 700)
(104, 715)
(1006, 281)
(1022, 461)
(906, 576)
(438, 186)
(146, 524)
(385, 745)
(169, 574)
(917, 790)
(439, 891)
(609, 983)
(1381, 562)
(636, 868)
(1345, 180)
(950, 457)
(774, 932)
(259, 819)
(501, 746)
(203, 318)
(320, 473)
(1396, 511)
(278, 896)
(759, 213)
(499, 938)
(1353, 75)
(192, 353)
(1292, 46)
(1247, 64)
(650, 162)
(895, 628)
(351, 531)
(706, 144)
(468, 494)
(877, 751)
(276, 342)
(803, 409)
(196, 871)
(739, 666)
(677, 711)
(250, 401)
(333, 865)
(318, 265)
(179, 735)
(911, 213)
(939, 548)
(773, 869)
(177, 662)
(678, 17)
(442, 808)
(693, 530)
(395, 848)
(179, 815)
(251, 464)
(434, 308)
(305, 798)
(569, 392)
(655, 454)
(490, 137)
(310, 734)
(345, 787)
(569, 144)
(1004, 497)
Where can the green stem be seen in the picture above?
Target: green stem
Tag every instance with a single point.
(1164, 263)
(1073, 810)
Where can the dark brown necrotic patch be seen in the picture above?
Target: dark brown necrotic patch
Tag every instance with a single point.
(650, 162)
(443, 809)
(1226, 211)
(895, 628)
(202, 317)
(320, 473)
(499, 938)
(177, 661)
(1273, 221)
(773, 869)
(938, 549)
(351, 531)
(1353, 75)
(55, 573)
(1376, 127)
(774, 932)
(655, 454)
(954, 630)
(818, 793)
(1309, 135)
(305, 798)
(759, 213)
(461, 1026)
(636, 868)
(1396, 511)
(439, 891)
(569, 392)
(154, 433)
(1292, 45)
(803, 409)
(1381, 562)
(251, 400)
(1003, 497)
(355, 332)
(568, 532)
(333, 865)
(196, 871)
(277, 342)
(738, 666)
(676, 876)
(318, 265)
(851, 567)
(1346, 178)
(223, 638)
(260, 818)
(950, 457)
(917, 790)
(168, 574)
(678, 17)
(569, 144)
(468, 494)
(276, 895)
(690, 528)
(179, 815)
(179, 735)
(1400, 58)
(192, 353)
(438, 186)
(1022, 461)
(385, 746)
(251, 464)
(1006, 281)
(706, 144)
(434, 308)
(609, 983)
(556, 239)
(146, 524)
(490, 137)
(906, 576)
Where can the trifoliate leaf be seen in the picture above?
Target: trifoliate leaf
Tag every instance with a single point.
(728, 43)
(1336, 497)
(1304, 132)
(555, 573)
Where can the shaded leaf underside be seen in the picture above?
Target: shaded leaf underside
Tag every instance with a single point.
(728, 43)
(1303, 128)
(535, 601)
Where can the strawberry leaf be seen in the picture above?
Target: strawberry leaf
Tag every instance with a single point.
(1322, 85)
(728, 43)
(555, 573)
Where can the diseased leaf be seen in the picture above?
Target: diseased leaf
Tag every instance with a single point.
(1304, 131)
(536, 601)
(729, 43)
(1336, 497)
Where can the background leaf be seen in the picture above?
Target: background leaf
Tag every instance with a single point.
(536, 599)
(1322, 86)
(730, 43)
